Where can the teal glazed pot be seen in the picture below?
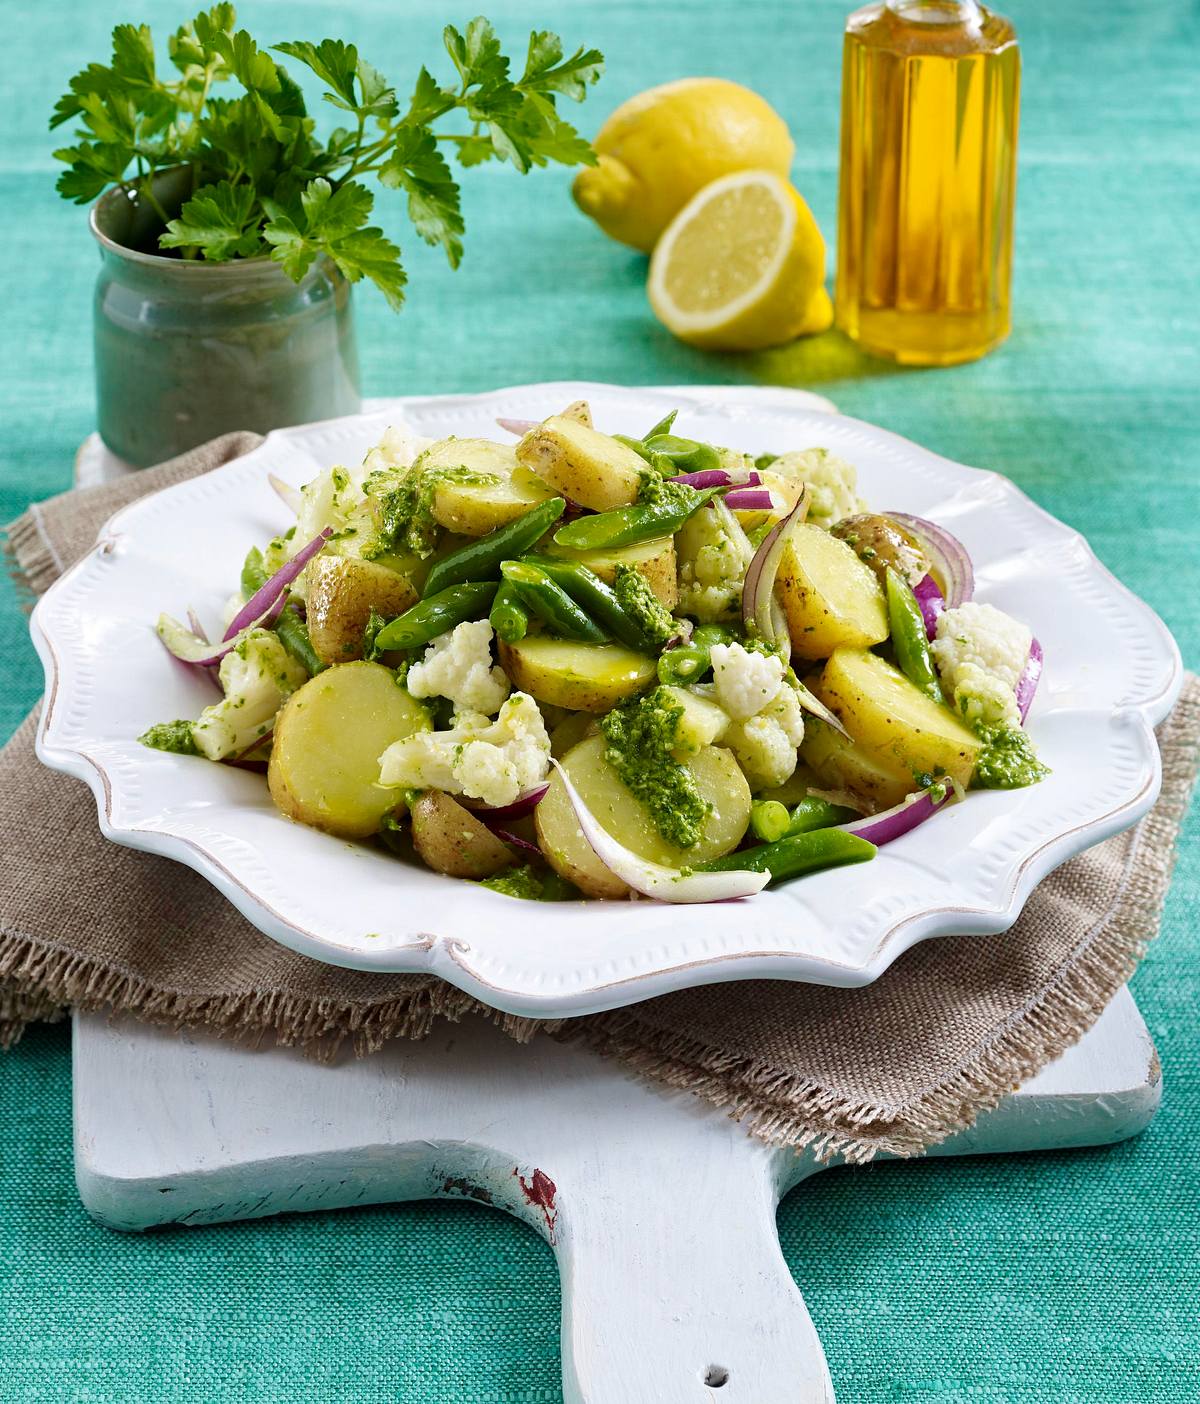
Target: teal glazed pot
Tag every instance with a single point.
(186, 350)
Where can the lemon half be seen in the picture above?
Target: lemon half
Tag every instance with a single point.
(742, 266)
(659, 148)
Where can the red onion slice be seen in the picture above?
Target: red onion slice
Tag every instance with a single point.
(518, 426)
(522, 805)
(718, 478)
(812, 703)
(932, 602)
(749, 499)
(892, 823)
(1027, 683)
(517, 842)
(758, 588)
(653, 879)
(258, 611)
(287, 494)
(946, 553)
(271, 593)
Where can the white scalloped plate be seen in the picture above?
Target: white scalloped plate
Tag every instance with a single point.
(1112, 673)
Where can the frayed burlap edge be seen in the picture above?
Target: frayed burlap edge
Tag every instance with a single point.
(29, 557)
(784, 1110)
(42, 982)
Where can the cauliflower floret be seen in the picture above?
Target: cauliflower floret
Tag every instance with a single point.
(785, 709)
(459, 666)
(744, 682)
(493, 761)
(980, 654)
(257, 677)
(832, 482)
(714, 554)
(767, 722)
(763, 750)
(399, 448)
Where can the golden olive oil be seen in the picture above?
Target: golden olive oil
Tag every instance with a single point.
(928, 179)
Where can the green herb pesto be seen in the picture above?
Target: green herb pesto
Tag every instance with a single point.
(654, 490)
(173, 736)
(639, 601)
(1008, 761)
(404, 507)
(533, 884)
(641, 737)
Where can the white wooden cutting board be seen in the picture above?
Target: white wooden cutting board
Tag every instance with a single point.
(660, 1211)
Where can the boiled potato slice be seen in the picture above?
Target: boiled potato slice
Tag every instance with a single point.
(702, 722)
(474, 509)
(581, 463)
(342, 592)
(839, 764)
(829, 596)
(324, 767)
(720, 781)
(582, 677)
(451, 840)
(894, 720)
(580, 411)
(654, 560)
(569, 732)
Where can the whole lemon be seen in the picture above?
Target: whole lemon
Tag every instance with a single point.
(659, 148)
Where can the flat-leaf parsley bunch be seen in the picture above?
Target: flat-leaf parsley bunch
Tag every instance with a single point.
(264, 183)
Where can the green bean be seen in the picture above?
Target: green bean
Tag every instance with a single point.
(688, 455)
(909, 637)
(813, 813)
(293, 635)
(591, 593)
(627, 525)
(254, 573)
(509, 617)
(662, 427)
(551, 603)
(480, 559)
(769, 820)
(682, 665)
(705, 635)
(795, 855)
(436, 614)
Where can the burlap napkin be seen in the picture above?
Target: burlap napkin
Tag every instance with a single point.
(952, 1027)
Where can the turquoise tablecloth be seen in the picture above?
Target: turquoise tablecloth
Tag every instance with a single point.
(1033, 1278)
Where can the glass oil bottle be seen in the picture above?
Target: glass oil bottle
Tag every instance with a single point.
(928, 179)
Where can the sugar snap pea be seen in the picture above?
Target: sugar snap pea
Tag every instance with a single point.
(685, 664)
(480, 559)
(625, 526)
(688, 455)
(795, 855)
(551, 603)
(509, 617)
(292, 632)
(769, 820)
(436, 614)
(591, 593)
(813, 813)
(909, 636)
(254, 573)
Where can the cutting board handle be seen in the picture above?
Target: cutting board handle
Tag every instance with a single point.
(675, 1290)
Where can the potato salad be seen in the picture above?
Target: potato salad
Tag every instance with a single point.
(576, 664)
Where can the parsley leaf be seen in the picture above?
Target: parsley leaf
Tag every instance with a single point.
(220, 220)
(265, 182)
(417, 166)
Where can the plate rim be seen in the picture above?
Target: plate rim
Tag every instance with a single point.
(447, 956)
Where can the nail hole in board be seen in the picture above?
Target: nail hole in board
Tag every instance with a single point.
(716, 1376)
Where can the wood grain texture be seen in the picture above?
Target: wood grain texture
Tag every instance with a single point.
(660, 1212)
